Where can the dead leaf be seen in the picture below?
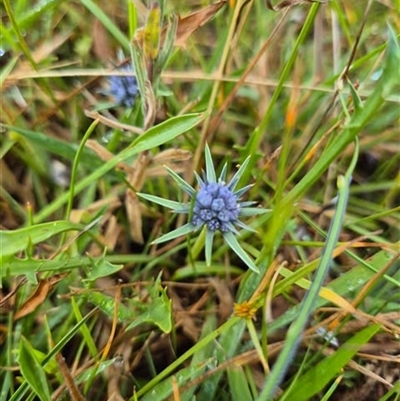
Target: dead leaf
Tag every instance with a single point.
(39, 296)
(101, 42)
(189, 24)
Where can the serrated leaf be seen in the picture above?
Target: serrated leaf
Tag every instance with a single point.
(158, 312)
(102, 268)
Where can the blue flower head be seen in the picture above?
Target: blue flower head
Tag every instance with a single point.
(215, 206)
(124, 89)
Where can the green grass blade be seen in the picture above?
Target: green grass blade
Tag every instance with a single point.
(238, 385)
(21, 41)
(308, 304)
(318, 376)
(56, 146)
(84, 329)
(33, 371)
(108, 24)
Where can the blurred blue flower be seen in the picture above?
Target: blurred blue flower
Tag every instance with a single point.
(124, 89)
(215, 206)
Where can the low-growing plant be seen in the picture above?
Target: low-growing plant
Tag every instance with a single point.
(271, 131)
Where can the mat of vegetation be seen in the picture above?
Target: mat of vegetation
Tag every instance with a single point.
(199, 200)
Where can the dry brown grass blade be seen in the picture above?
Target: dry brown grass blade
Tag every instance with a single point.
(69, 380)
(175, 389)
(110, 237)
(172, 155)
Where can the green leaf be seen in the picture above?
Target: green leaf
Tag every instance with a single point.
(235, 246)
(56, 146)
(14, 241)
(226, 327)
(157, 312)
(161, 201)
(101, 268)
(307, 307)
(33, 371)
(210, 171)
(140, 72)
(7, 70)
(306, 386)
(181, 182)
(165, 132)
(94, 371)
(178, 232)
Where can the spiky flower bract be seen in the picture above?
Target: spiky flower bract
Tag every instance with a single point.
(124, 89)
(215, 206)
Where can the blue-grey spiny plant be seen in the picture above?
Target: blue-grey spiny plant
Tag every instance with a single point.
(215, 206)
(124, 88)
